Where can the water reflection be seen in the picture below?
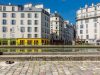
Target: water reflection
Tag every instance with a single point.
(38, 50)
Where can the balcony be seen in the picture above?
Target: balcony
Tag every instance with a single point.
(88, 17)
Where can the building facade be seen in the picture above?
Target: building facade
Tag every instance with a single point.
(24, 25)
(68, 33)
(88, 24)
(56, 29)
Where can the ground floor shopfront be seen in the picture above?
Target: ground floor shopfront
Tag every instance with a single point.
(24, 41)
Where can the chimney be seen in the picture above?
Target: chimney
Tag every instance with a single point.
(9, 3)
(92, 4)
(86, 6)
(55, 11)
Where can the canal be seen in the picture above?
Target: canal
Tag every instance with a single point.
(52, 54)
(51, 51)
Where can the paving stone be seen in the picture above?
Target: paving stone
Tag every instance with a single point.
(51, 68)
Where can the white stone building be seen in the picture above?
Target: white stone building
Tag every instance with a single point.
(57, 28)
(27, 25)
(88, 24)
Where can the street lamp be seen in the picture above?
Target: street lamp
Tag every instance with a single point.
(99, 30)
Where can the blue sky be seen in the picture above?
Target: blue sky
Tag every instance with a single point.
(67, 8)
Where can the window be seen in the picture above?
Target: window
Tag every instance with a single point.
(35, 29)
(61, 25)
(81, 26)
(22, 29)
(13, 22)
(13, 42)
(45, 31)
(36, 22)
(95, 36)
(4, 22)
(22, 15)
(36, 15)
(29, 22)
(22, 42)
(45, 18)
(95, 8)
(86, 21)
(56, 32)
(30, 8)
(29, 36)
(81, 31)
(12, 29)
(0, 8)
(56, 27)
(87, 36)
(95, 24)
(81, 21)
(21, 22)
(29, 15)
(29, 42)
(56, 37)
(86, 31)
(4, 15)
(86, 15)
(56, 22)
(35, 35)
(81, 36)
(45, 23)
(13, 35)
(4, 29)
(95, 19)
(86, 25)
(95, 30)
(56, 18)
(29, 29)
(13, 8)
(4, 8)
(4, 35)
(95, 14)
(13, 15)
(35, 42)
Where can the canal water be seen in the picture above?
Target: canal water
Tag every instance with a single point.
(50, 54)
(40, 50)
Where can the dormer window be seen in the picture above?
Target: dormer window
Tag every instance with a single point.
(95, 8)
(13, 8)
(30, 8)
(4, 8)
(0, 8)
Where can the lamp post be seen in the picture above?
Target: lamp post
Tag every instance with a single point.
(52, 38)
(99, 29)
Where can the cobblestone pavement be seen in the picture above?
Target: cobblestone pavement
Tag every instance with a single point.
(51, 68)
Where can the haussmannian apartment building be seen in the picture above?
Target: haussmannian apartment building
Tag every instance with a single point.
(56, 28)
(68, 33)
(88, 24)
(61, 31)
(24, 25)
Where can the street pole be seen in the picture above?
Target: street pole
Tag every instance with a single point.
(99, 30)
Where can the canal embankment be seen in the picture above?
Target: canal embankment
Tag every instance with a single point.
(50, 58)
